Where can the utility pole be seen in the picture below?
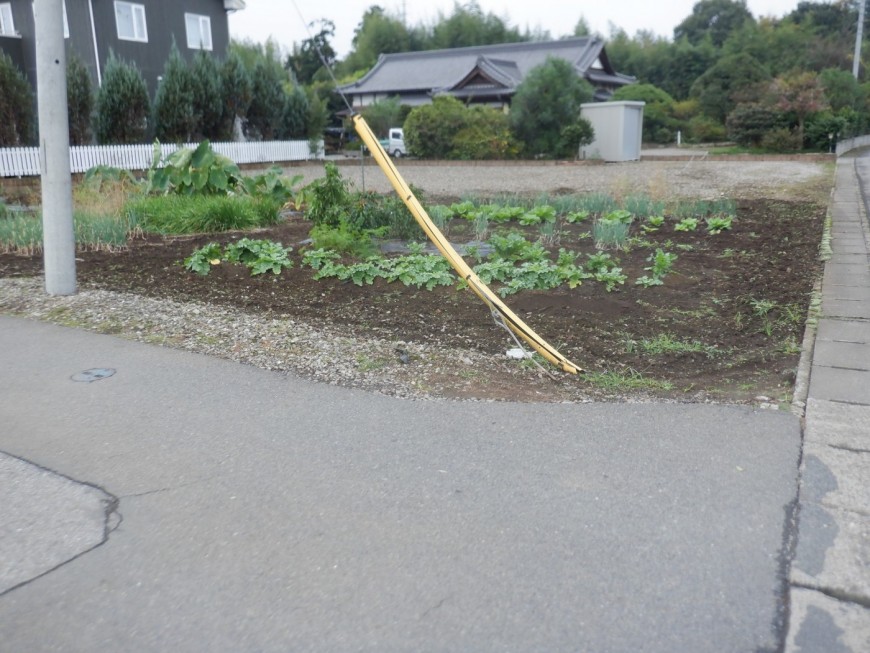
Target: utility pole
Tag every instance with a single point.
(858, 38)
(57, 222)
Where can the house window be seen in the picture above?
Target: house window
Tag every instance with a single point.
(198, 31)
(130, 21)
(7, 27)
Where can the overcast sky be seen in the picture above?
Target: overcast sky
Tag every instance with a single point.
(279, 19)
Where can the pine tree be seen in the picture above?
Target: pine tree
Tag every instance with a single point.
(174, 115)
(16, 105)
(236, 94)
(294, 117)
(267, 100)
(80, 101)
(122, 104)
(207, 96)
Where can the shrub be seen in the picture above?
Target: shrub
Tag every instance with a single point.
(80, 101)
(748, 124)
(328, 198)
(486, 135)
(703, 129)
(781, 139)
(122, 105)
(383, 114)
(16, 105)
(430, 129)
(659, 124)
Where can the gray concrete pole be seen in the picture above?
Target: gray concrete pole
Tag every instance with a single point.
(57, 221)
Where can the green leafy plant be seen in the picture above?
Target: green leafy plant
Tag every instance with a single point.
(463, 209)
(686, 224)
(201, 171)
(610, 233)
(653, 223)
(260, 256)
(187, 214)
(201, 260)
(513, 246)
(718, 224)
(576, 216)
(610, 278)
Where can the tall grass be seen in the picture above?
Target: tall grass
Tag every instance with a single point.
(188, 214)
(22, 234)
(610, 234)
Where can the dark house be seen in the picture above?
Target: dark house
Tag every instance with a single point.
(140, 32)
(486, 74)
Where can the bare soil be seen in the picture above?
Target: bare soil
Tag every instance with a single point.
(711, 305)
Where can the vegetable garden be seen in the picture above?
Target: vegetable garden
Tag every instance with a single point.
(681, 298)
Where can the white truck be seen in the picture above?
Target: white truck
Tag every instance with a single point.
(394, 144)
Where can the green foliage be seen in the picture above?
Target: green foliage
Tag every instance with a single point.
(16, 105)
(429, 129)
(717, 89)
(717, 224)
(188, 172)
(548, 99)
(344, 239)
(376, 34)
(467, 25)
(686, 224)
(486, 135)
(415, 269)
(207, 96)
(272, 184)
(713, 19)
(576, 135)
(122, 105)
(610, 233)
(80, 101)
(260, 256)
(383, 114)
(513, 247)
(22, 233)
(294, 115)
(174, 117)
(187, 214)
(267, 100)
(659, 123)
(748, 123)
(305, 60)
(328, 198)
(235, 93)
(201, 260)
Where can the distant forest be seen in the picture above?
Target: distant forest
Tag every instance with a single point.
(723, 74)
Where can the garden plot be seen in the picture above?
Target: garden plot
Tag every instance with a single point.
(691, 300)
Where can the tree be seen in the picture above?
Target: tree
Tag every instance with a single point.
(236, 94)
(547, 100)
(267, 100)
(382, 115)
(659, 124)
(122, 106)
(16, 105)
(207, 95)
(306, 60)
(801, 94)
(174, 117)
(79, 100)
(467, 25)
(294, 115)
(717, 89)
(376, 34)
(715, 19)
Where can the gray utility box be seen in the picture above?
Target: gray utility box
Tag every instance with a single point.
(618, 129)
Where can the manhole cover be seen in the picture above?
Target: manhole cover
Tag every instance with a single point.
(93, 374)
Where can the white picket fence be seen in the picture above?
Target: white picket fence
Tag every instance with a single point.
(24, 161)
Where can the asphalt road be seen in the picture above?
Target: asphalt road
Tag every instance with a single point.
(250, 511)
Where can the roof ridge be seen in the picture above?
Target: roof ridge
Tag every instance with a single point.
(517, 45)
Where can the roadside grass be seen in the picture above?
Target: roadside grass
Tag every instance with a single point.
(665, 343)
(628, 380)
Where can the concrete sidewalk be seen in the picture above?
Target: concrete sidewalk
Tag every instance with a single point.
(250, 511)
(830, 575)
